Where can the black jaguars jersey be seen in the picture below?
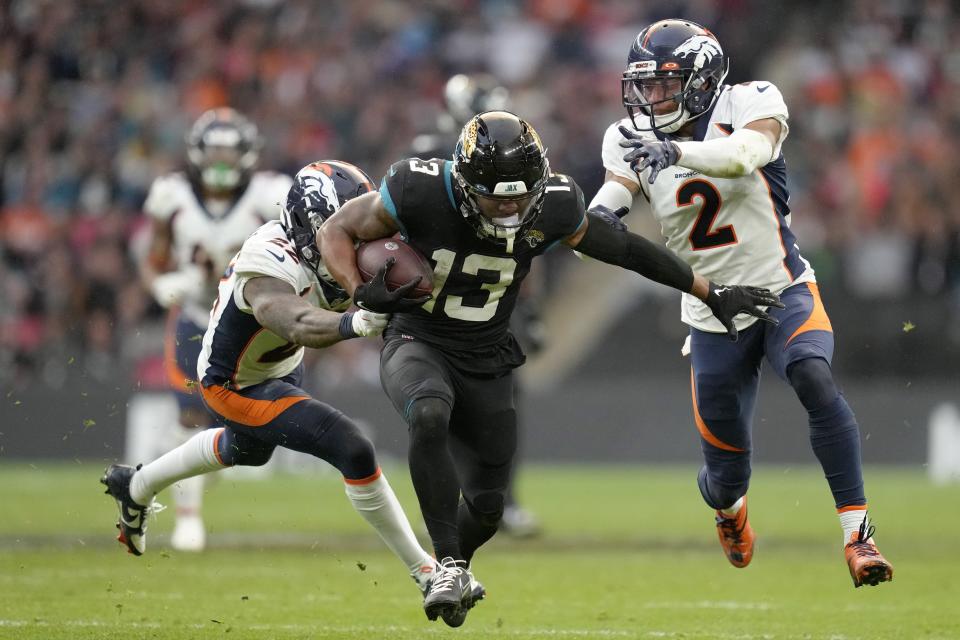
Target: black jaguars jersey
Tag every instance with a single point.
(476, 279)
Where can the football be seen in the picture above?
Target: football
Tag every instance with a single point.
(409, 264)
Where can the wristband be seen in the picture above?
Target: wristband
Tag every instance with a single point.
(346, 326)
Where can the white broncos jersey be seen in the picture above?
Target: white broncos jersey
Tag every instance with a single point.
(731, 230)
(208, 235)
(237, 351)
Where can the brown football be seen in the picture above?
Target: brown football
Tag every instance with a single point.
(409, 264)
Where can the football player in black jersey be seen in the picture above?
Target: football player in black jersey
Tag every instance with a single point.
(447, 363)
(464, 96)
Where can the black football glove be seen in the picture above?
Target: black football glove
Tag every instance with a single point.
(374, 295)
(612, 218)
(656, 154)
(726, 301)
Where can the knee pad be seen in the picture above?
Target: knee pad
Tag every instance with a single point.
(723, 486)
(429, 418)
(812, 379)
(486, 508)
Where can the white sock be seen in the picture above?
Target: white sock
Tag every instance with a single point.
(851, 520)
(378, 505)
(194, 457)
(734, 509)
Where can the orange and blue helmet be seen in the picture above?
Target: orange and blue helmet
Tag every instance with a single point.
(678, 54)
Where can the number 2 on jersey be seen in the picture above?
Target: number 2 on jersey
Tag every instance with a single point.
(472, 265)
(703, 236)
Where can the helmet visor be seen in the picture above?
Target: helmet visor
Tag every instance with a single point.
(659, 94)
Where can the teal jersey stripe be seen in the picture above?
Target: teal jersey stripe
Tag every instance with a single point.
(447, 180)
(391, 208)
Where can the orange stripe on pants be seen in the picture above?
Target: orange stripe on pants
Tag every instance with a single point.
(701, 425)
(818, 320)
(249, 412)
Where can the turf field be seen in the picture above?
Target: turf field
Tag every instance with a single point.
(629, 553)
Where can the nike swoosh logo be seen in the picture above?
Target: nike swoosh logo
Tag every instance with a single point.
(131, 520)
(721, 290)
(279, 258)
(763, 88)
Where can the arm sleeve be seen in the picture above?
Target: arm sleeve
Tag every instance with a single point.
(630, 251)
(737, 155)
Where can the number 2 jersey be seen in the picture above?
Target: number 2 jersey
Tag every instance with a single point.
(237, 351)
(209, 236)
(476, 279)
(731, 230)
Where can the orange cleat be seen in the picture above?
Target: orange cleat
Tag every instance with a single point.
(736, 537)
(866, 564)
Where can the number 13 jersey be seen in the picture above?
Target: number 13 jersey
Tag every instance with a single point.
(731, 230)
(476, 279)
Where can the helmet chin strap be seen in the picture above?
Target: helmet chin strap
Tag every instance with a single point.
(671, 122)
(507, 230)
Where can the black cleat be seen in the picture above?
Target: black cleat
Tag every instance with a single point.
(475, 593)
(133, 517)
(449, 592)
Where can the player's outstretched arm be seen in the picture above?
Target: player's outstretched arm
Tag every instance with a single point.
(277, 307)
(598, 239)
(738, 154)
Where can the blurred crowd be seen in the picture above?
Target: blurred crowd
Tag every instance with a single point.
(95, 97)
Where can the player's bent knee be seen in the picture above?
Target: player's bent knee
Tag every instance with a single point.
(429, 418)
(722, 486)
(360, 458)
(487, 508)
(345, 447)
(812, 379)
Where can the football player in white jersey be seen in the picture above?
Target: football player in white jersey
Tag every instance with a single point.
(707, 157)
(199, 219)
(276, 298)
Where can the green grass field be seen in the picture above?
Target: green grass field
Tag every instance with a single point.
(628, 553)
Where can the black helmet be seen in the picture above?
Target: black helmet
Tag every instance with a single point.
(222, 148)
(318, 191)
(467, 95)
(500, 159)
(673, 50)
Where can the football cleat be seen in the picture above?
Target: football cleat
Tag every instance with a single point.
(189, 534)
(736, 536)
(449, 592)
(133, 517)
(476, 593)
(866, 564)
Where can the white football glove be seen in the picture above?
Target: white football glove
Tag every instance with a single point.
(171, 288)
(367, 323)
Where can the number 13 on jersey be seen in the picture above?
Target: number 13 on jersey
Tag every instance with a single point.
(452, 305)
